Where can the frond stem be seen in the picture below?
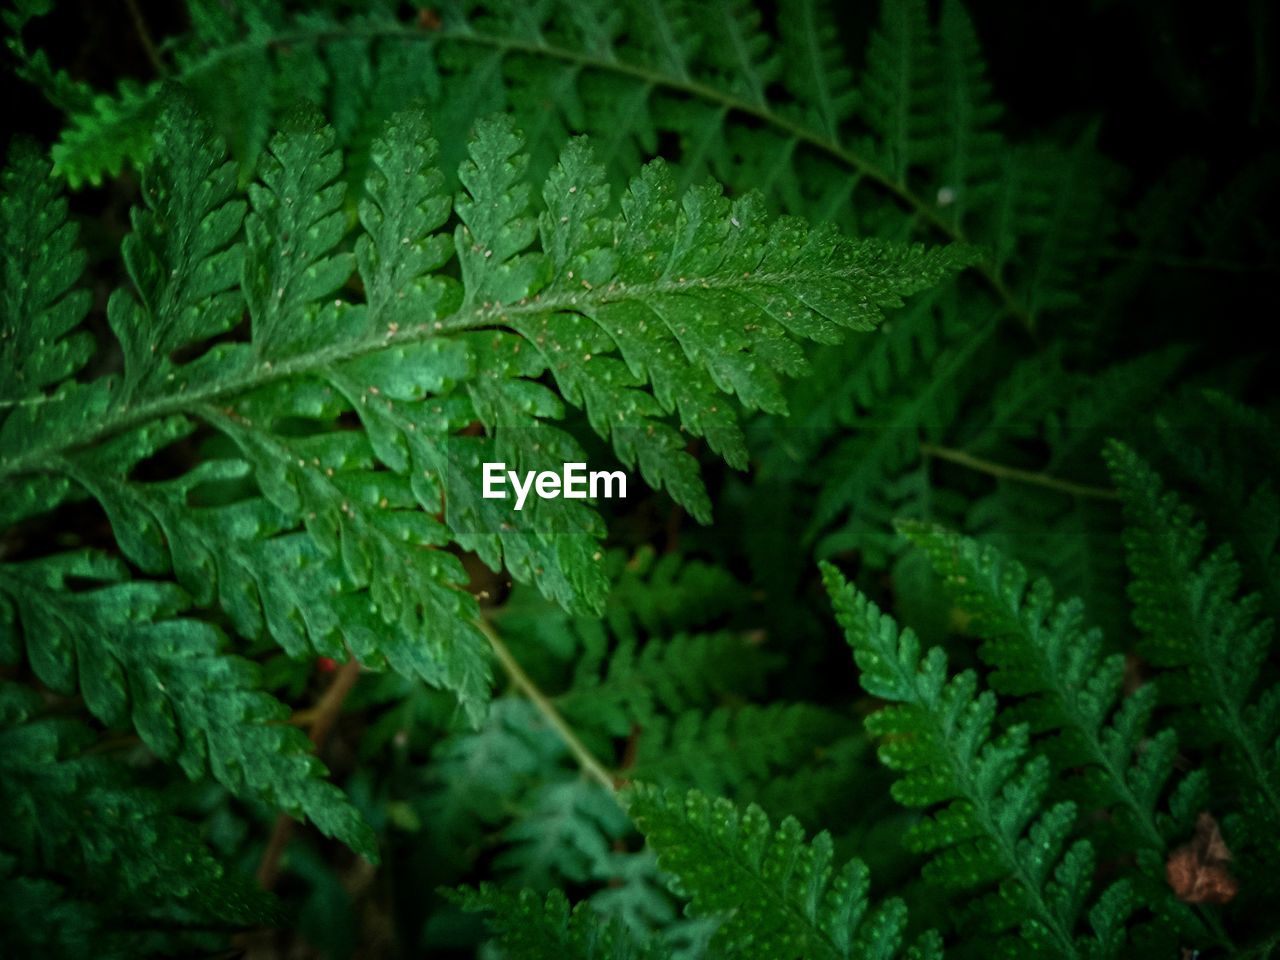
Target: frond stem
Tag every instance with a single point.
(178, 399)
(1005, 472)
(591, 766)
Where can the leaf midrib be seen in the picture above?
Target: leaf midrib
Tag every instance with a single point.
(49, 457)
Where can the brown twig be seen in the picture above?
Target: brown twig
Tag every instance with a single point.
(323, 716)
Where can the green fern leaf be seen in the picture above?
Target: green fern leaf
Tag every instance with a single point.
(1071, 538)
(663, 594)
(971, 148)
(781, 115)
(182, 256)
(530, 927)
(1049, 218)
(697, 297)
(1042, 652)
(780, 895)
(904, 391)
(125, 649)
(39, 307)
(988, 823)
(817, 75)
(76, 816)
(663, 675)
(735, 751)
(39, 343)
(474, 774)
(564, 837)
(1230, 455)
(901, 81)
(295, 223)
(748, 63)
(1211, 642)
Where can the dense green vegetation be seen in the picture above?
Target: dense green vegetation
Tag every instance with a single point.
(938, 619)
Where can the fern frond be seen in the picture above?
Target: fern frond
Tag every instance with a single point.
(748, 62)
(816, 74)
(1047, 221)
(104, 131)
(108, 134)
(1230, 452)
(296, 221)
(475, 775)
(1043, 652)
(662, 676)
(124, 647)
(663, 594)
(971, 147)
(987, 822)
(40, 345)
(565, 836)
(1211, 642)
(1072, 539)
(530, 926)
(654, 605)
(780, 895)
(508, 784)
(781, 115)
(667, 284)
(791, 759)
(183, 258)
(905, 391)
(77, 817)
(901, 82)
(735, 751)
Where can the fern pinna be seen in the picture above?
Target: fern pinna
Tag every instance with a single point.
(766, 891)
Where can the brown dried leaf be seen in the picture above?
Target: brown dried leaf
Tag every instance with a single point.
(1199, 871)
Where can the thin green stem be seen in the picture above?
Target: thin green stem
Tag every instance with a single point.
(591, 766)
(1013, 473)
